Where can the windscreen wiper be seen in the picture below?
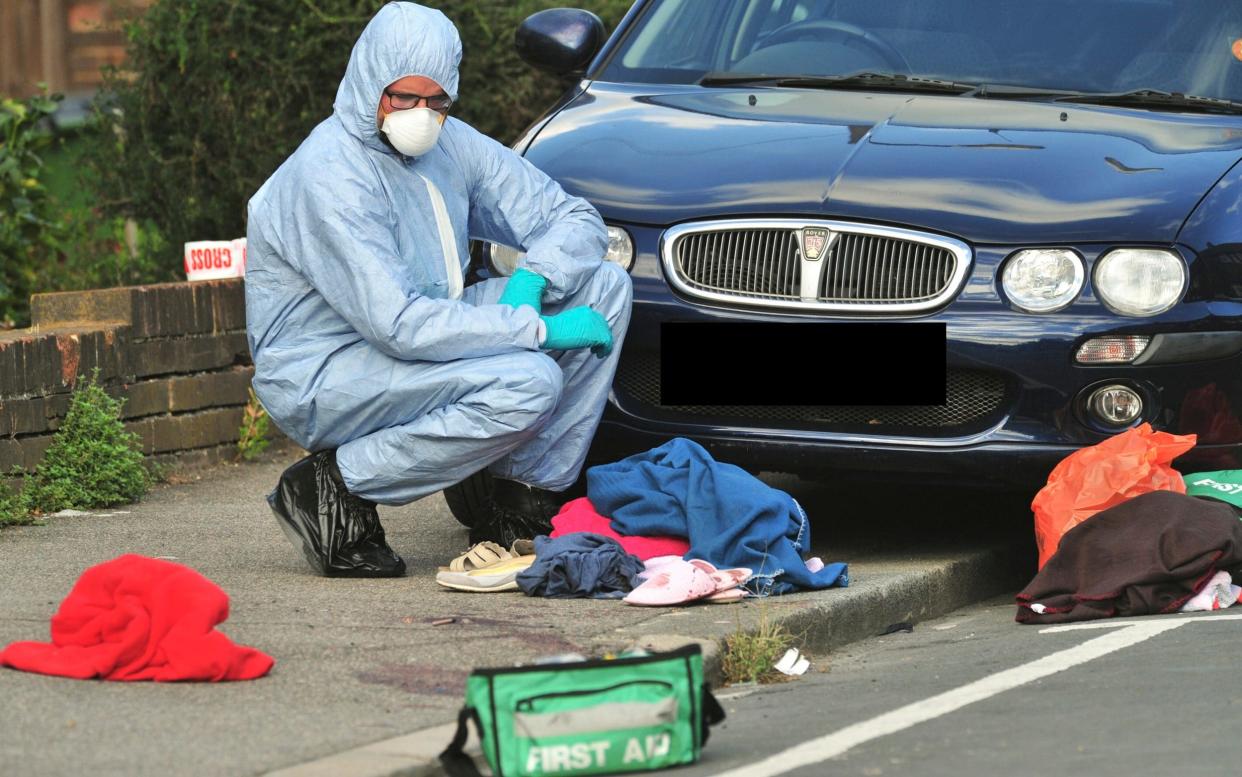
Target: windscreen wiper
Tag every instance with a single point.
(1155, 98)
(1015, 92)
(889, 82)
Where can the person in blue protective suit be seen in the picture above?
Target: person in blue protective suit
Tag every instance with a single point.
(369, 352)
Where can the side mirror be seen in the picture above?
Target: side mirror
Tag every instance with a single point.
(561, 40)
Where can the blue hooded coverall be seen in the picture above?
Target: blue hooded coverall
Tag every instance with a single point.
(362, 336)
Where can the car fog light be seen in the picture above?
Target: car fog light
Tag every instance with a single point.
(1043, 280)
(1121, 349)
(1115, 405)
(1140, 281)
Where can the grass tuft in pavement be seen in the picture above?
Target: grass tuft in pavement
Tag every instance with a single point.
(252, 435)
(751, 656)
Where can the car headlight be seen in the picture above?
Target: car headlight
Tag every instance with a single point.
(1140, 281)
(505, 259)
(1041, 280)
(620, 250)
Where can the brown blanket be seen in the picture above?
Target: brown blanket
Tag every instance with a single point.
(1147, 555)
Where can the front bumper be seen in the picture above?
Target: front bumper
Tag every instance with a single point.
(1015, 403)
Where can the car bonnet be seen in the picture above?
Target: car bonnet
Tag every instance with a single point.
(988, 171)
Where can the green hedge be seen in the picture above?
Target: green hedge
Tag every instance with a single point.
(51, 238)
(25, 211)
(221, 91)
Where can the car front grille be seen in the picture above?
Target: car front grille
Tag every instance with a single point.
(746, 262)
(973, 403)
(861, 268)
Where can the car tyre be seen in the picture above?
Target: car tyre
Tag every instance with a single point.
(470, 500)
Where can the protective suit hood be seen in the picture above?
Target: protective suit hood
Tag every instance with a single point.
(403, 39)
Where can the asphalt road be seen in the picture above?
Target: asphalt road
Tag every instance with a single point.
(1155, 698)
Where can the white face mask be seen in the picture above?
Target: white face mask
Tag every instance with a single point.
(413, 132)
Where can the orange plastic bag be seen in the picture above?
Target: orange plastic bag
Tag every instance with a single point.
(1096, 478)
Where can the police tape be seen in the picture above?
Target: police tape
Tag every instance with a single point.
(214, 259)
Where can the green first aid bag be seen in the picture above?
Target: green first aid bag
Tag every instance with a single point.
(587, 717)
(1224, 485)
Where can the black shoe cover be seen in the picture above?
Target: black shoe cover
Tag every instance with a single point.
(505, 526)
(339, 533)
(518, 512)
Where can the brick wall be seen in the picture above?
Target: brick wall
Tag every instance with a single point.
(176, 353)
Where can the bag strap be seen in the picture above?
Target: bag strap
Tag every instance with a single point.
(713, 713)
(454, 759)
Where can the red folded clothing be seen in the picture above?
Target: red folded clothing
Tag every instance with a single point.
(138, 618)
(579, 516)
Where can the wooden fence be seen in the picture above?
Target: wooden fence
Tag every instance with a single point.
(62, 43)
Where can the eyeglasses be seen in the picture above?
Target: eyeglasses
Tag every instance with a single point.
(439, 103)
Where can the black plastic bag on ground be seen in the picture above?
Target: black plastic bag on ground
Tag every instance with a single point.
(339, 533)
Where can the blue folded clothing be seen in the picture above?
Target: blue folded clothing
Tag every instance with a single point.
(580, 565)
(730, 517)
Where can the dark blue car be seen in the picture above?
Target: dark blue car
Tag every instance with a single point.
(1055, 180)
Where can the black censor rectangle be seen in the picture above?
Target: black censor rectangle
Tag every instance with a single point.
(814, 363)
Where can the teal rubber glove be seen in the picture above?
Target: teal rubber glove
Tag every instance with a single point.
(524, 288)
(579, 327)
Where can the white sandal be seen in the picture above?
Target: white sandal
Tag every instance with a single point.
(485, 554)
(501, 576)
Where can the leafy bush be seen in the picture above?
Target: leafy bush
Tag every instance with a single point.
(26, 229)
(221, 92)
(49, 244)
(13, 508)
(92, 461)
(95, 251)
(500, 94)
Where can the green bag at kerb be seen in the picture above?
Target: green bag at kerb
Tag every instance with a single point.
(587, 717)
(1225, 485)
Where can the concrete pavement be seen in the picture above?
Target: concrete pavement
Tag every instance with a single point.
(361, 662)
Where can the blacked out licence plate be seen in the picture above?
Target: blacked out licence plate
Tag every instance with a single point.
(813, 363)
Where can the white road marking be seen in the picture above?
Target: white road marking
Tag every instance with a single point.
(1107, 624)
(832, 745)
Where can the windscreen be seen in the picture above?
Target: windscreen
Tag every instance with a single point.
(1184, 46)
